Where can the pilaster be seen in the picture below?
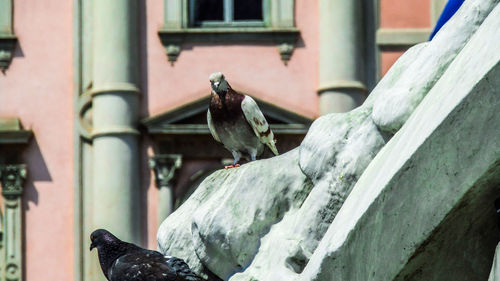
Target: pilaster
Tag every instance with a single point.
(12, 178)
(165, 167)
(13, 139)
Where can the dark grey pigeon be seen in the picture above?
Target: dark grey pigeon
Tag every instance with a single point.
(236, 121)
(122, 261)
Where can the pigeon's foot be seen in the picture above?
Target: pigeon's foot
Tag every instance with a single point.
(231, 166)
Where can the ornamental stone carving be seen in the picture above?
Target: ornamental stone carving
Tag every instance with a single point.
(12, 179)
(164, 167)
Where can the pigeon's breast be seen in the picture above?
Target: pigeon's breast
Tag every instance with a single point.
(233, 129)
(237, 135)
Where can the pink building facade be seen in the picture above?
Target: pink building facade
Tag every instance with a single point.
(104, 104)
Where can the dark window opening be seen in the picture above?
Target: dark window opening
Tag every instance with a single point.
(247, 9)
(226, 13)
(209, 10)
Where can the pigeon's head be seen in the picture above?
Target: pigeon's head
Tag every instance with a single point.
(218, 82)
(101, 237)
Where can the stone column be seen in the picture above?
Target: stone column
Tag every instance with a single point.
(164, 167)
(341, 86)
(12, 179)
(115, 99)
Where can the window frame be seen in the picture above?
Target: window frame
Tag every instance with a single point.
(228, 14)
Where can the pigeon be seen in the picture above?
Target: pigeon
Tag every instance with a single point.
(122, 261)
(236, 121)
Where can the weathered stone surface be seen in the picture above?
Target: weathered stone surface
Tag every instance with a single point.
(391, 110)
(227, 228)
(223, 221)
(334, 154)
(423, 209)
(395, 73)
(174, 235)
(495, 268)
(262, 221)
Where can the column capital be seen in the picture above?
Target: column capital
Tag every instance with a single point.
(164, 167)
(12, 177)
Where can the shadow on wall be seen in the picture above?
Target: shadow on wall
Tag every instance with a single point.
(144, 111)
(18, 52)
(143, 60)
(145, 185)
(189, 46)
(37, 171)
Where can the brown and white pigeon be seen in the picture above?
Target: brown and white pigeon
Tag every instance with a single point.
(236, 121)
(122, 261)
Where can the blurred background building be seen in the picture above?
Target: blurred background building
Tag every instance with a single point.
(103, 104)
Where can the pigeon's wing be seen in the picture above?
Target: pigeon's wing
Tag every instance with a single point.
(149, 265)
(142, 266)
(258, 123)
(211, 126)
(182, 270)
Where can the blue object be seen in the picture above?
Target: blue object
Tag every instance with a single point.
(449, 10)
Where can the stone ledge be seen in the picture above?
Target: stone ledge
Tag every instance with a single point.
(12, 132)
(7, 46)
(285, 38)
(404, 37)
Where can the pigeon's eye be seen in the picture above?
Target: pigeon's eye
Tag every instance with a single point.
(91, 237)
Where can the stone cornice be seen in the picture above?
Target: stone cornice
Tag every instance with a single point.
(12, 132)
(15, 137)
(8, 40)
(7, 45)
(389, 37)
(277, 27)
(284, 38)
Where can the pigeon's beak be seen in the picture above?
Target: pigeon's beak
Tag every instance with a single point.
(216, 85)
(92, 246)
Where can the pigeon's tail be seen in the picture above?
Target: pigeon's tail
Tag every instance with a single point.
(272, 147)
(183, 270)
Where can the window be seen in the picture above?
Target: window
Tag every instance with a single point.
(213, 13)
(229, 22)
